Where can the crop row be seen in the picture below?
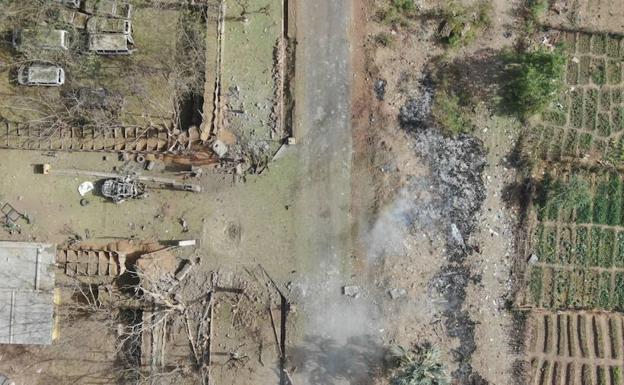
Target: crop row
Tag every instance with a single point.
(555, 373)
(578, 334)
(581, 246)
(590, 109)
(597, 44)
(576, 288)
(593, 70)
(581, 198)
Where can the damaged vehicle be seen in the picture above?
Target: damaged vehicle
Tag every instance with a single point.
(123, 188)
(39, 74)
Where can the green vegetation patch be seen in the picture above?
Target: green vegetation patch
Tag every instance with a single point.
(598, 44)
(591, 108)
(613, 46)
(618, 119)
(572, 73)
(452, 117)
(418, 366)
(576, 108)
(461, 24)
(584, 70)
(603, 124)
(535, 79)
(570, 142)
(582, 243)
(556, 117)
(398, 13)
(604, 291)
(535, 285)
(618, 292)
(598, 71)
(583, 43)
(614, 71)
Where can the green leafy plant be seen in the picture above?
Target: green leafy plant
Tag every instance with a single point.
(418, 366)
(461, 24)
(398, 13)
(537, 8)
(572, 194)
(450, 114)
(384, 39)
(535, 78)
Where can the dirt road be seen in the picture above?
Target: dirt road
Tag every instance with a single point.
(333, 327)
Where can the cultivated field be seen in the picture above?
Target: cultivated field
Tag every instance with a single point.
(574, 279)
(576, 348)
(587, 121)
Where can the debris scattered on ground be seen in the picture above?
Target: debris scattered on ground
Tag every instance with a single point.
(456, 235)
(380, 89)
(85, 187)
(184, 224)
(397, 293)
(219, 148)
(351, 291)
(11, 218)
(186, 243)
(533, 259)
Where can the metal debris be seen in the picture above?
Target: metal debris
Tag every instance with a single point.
(120, 189)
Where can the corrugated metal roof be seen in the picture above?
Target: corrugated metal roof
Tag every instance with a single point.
(26, 292)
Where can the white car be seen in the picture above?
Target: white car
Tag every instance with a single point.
(41, 75)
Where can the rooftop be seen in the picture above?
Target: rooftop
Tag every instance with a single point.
(26, 293)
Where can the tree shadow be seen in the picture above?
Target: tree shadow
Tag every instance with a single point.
(323, 361)
(475, 78)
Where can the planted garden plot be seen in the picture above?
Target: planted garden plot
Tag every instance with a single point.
(576, 347)
(587, 120)
(578, 242)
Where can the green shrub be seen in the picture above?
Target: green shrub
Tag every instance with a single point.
(535, 78)
(537, 8)
(384, 39)
(616, 375)
(574, 193)
(535, 285)
(450, 115)
(418, 366)
(398, 13)
(461, 24)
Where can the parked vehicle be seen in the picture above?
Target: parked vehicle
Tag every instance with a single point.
(37, 74)
(110, 43)
(53, 39)
(111, 8)
(100, 24)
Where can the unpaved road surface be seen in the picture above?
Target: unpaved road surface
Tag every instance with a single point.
(333, 329)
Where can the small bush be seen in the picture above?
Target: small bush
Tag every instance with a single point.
(419, 366)
(535, 78)
(450, 114)
(384, 39)
(461, 24)
(537, 8)
(399, 13)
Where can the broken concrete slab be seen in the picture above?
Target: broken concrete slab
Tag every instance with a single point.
(397, 293)
(351, 291)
